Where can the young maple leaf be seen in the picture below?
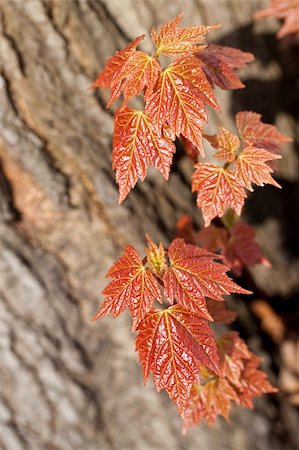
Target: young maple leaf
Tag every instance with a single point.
(251, 167)
(242, 250)
(136, 144)
(220, 62)
(255, 133)
(173, 41)
(288, 10)
(208, 401)
(172, 343)
(133, 286)
(156, 257)
(196, 409)
(238, 245)
(220, 313)
(193, 275)
(218, 188)
(254, 382)
(140, 72)
(239, 382)
(180, 97)
(232, 351)
(109, 77)
(213, 238)
(226, 143)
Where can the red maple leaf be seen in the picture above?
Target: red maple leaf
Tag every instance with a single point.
(172, 343)
(232, 351)
(136, 144)
(255, 133)
(193, 275)
(226, 143)
(196, 409)
(109, 77)
(242, 249)
(220, 62)
(239, 382)
(218, 189)
(220, 313)
(173, 41)
(238, 245)
(213, 238)
(288, 10)
(251, 167)
(208, 401)
(254, 382)
(180, 97)
(133, 286)
(140, 72)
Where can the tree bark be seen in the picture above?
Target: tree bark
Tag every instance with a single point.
(65, 382)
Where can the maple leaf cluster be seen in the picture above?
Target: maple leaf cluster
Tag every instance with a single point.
(240, 382)
(176, 342)
(187, 273)
(288, 11)
(236, 242)
(175, 97)
(248, 159)
(175, 294)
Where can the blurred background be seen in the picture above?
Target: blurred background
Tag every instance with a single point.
(67, 383)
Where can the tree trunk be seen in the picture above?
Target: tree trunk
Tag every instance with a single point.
(68, 383)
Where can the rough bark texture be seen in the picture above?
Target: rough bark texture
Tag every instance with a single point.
(67, 383)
